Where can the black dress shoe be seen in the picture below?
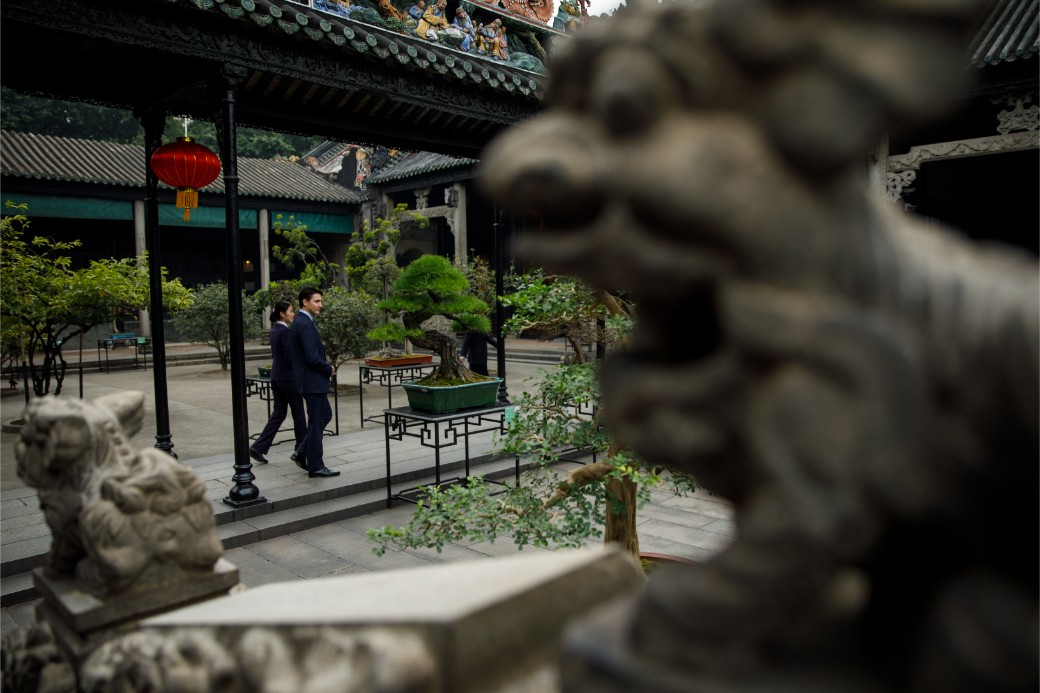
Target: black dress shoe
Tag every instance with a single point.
(257, 456)
(300, 460)
(324, 471)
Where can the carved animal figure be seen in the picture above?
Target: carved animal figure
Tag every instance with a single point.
(119, 519)
(390, 11)
(862, 388)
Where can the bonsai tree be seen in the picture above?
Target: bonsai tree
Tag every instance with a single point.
(430, 287)
(549, 508)
(205, 321)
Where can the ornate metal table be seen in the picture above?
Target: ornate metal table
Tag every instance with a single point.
(389, 377)
(438, 431)
(260, 385)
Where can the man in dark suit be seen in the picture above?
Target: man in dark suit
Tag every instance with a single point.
(311, 375)
(475, 350)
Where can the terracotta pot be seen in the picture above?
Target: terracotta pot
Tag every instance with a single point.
(650, 560)
(389, 362)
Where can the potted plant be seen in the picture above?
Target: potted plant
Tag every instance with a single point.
(557, 419)
(429, 296)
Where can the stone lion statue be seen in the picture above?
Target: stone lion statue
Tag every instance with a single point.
(120, 519)
(863, 388)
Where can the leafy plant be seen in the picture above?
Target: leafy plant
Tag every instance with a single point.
(427, 288)
(303, 251)
(45, 303)
(560, 417)
(344, 323)
(481, 277)
(206, 320)
(370, 261)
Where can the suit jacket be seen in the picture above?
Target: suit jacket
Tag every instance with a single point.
(311, 372)
(475, 347)
(281, 353)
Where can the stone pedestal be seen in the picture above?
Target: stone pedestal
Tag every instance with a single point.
(489, 626)
(80, 621)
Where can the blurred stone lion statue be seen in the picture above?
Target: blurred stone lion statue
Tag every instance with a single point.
(120, 519)
(863, 388)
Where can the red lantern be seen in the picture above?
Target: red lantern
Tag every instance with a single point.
(186, 166)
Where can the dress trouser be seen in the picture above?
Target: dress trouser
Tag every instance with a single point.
(285, 397)
(319, 414)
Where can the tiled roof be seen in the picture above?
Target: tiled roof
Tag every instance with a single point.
(418, 164)
(1011, 31)
(358, 37)
(47, 158)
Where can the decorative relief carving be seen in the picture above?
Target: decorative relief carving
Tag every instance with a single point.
(422, 198)
(1022, 114)
(1011, 142)
(897, 182)
(261, 659)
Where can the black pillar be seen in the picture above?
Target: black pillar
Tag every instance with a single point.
(244, 492)
(154, 124)
(496, 252)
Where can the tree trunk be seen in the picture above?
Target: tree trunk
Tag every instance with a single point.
(621, 513)
(447, 347)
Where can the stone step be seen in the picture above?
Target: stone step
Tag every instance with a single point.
(240, 527)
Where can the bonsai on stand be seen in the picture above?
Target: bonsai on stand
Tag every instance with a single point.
(427, 289)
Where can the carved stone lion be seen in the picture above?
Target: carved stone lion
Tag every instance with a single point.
(120, 519)
(864, 389)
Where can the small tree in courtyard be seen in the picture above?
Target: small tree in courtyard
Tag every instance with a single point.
(547, 508)
(370, 263)
(206, 320)
(300, 250)
(45, 303)
(344, 323)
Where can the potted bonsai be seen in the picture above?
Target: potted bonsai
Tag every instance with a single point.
(430, 293)
(550, 424)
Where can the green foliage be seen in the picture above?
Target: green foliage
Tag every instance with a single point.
(207, 321)
(277, 291)
(431, 286)
(559, 418)
(43, 116)
(428, 287)
(481, 278)
(44, 303)
(467, 512)
(545, 510)
(555, 306)
(557, 415)
(370, 258)
(302, 250)
(344, 323)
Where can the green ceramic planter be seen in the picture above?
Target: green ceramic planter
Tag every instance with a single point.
(451, 398)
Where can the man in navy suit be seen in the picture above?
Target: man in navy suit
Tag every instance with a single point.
(311, 375)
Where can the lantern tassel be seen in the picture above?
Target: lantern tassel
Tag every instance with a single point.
(188, 198)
